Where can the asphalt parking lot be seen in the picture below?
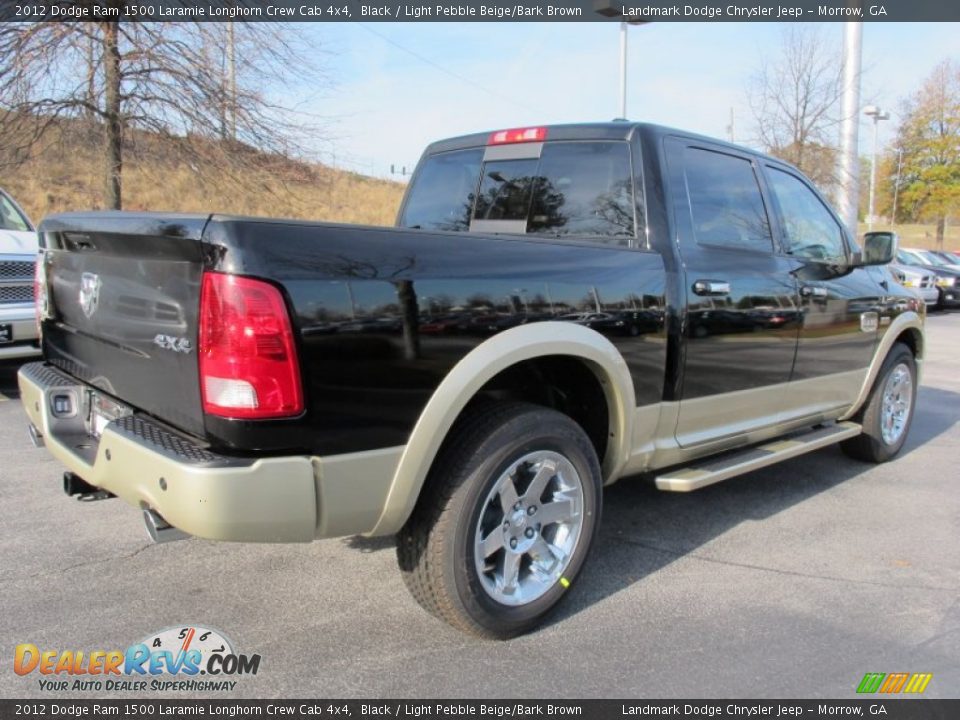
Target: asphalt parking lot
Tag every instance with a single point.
(791, 581)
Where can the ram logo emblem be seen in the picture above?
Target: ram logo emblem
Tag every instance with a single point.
(89, 293)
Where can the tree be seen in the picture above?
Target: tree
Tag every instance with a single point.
(794, 101)
(930, 138)
(171, 78)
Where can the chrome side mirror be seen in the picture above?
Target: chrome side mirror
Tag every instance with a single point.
(879, 248)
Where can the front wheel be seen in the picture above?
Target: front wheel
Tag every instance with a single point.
(506, 520)
(888, 413)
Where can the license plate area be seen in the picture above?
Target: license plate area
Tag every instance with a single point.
(101, 411)
(6, 333)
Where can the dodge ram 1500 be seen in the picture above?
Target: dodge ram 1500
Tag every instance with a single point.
(557, 308)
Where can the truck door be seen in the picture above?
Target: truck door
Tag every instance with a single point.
(840, 307)
(741, 320)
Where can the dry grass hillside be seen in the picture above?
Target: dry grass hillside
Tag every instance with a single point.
(922, 236)
(65, 173)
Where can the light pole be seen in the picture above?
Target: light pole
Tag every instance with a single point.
(607, 9)
(849, 166)
(877, 114)
(623, 70)
(896, 188)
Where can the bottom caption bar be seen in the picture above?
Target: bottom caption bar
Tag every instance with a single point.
(885, 709)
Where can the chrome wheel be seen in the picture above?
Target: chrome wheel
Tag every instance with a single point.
(529, 527)
(896, 404)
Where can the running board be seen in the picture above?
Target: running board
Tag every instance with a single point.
(694, 477)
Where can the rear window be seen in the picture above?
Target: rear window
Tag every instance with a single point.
(574, 189)
(442, 198)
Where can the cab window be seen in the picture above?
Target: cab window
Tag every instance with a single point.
(726, 206)
(444, 190)
(810, 230)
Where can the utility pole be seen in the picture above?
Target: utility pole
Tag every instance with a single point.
(732, 128)
(877, 114)
(849, 170)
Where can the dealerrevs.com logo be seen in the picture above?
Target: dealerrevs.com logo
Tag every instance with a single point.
(170, 660)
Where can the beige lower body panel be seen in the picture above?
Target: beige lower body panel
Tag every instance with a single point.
(750, 417)
(284, 499)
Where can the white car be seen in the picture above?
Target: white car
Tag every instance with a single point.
(18, 257)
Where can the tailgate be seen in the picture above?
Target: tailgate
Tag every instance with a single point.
(124, 292)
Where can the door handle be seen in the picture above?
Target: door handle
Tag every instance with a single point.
(813, 291)
(711, 287)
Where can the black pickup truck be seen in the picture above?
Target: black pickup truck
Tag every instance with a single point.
(557, 308)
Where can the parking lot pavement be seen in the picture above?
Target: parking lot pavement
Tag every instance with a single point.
(791, 581)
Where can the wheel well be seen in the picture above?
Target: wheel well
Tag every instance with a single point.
(562, 382)
(912, 338)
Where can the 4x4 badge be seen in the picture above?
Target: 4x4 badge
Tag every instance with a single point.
(177, 344)
(89, 293)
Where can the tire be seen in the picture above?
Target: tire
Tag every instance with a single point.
(896, 390)
(458, 550)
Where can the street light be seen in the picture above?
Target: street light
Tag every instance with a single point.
(877, 114)
(607, 9)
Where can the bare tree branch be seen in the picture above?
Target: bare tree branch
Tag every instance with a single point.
(164, 78)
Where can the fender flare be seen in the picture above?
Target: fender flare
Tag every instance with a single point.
(472, 372)
(904, 321)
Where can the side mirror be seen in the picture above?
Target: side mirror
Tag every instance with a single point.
(879, 248)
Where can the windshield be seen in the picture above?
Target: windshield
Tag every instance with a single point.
(572, 189)
(930, 258)
(11, 218)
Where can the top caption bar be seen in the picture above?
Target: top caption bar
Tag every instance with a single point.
(478, 11)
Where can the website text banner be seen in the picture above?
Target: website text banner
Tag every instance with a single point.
(480, 10)
(486, 709)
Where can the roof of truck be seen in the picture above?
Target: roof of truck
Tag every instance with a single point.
(612, 130)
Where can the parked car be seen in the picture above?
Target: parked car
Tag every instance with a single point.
(484, 453)
(948, 280)
(919, 280)
(18, 256)
(950, 259)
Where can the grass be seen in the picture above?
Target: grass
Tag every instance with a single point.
(66, 173)
(921, 236)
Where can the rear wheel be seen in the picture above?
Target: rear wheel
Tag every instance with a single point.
(888, 413)
(505, 521)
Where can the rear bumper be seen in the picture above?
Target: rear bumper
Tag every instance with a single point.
(281, 499)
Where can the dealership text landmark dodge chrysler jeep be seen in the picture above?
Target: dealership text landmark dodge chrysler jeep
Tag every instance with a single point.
(558, 307)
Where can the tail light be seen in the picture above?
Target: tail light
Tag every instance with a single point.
(248, 361)
(40, 294)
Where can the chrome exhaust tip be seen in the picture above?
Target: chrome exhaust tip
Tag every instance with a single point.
(159, 530)
(35, 437)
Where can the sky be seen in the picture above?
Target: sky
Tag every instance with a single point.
(398, 86)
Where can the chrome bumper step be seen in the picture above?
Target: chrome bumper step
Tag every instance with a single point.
(714, 470)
